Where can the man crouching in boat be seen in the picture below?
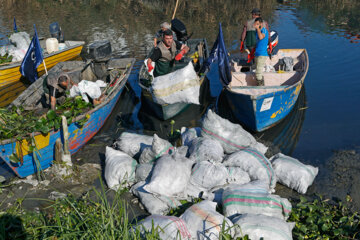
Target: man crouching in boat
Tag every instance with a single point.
(55, 87)
(164, 55)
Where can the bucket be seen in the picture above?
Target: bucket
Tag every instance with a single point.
(62, 46)
(52, 45)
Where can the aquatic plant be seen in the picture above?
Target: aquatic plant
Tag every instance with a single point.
(19, 123)
(6, 59)
(319, 219)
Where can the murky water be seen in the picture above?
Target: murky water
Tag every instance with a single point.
(327, 115)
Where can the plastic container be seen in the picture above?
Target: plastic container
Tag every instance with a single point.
(52, 45)
(62, 46)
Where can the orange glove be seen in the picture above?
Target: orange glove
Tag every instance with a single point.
(180, 55)
(242, 46)
(150, 67)
(251, 55)
(270, 48)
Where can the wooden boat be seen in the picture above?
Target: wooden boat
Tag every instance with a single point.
(167, 111)
(10, 76)
(260, 107)
(78, 136)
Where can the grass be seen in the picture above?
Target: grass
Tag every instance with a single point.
(94, 217)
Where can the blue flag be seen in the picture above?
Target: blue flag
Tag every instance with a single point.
(33, 58)
(220, 54)
(15, 27)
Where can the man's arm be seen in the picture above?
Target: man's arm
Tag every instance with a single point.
(259, 33)
(243, 35)
(52, 102)
(184, 49)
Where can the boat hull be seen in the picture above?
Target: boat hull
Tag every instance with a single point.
(11, 84)
(79, 136)
(263, 111)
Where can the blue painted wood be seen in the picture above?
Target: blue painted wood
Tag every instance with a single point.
(78, 137)
(247, 108)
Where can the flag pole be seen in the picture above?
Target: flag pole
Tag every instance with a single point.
(45, 67)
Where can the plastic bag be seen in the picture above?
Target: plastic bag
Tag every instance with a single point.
(119, 168)
(292, 173)
(143, 171)
(231, 136)
(170, 175)
(204, 222)
(159, 147)
(189, 134)
(237, 176)
(254, 163)
(132, 143)
(206, 149)
(86, 88)
(238, 200)
(157, 204)
(258, 226)
(181, 86)
(168, 227)
(208, 175)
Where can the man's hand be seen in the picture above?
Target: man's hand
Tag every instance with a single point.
(180, 55)
(242, 46)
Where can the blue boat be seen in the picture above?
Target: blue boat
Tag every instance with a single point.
(97, 116)
(258, 108)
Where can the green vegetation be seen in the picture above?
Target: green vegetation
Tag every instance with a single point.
(321, 220)
(5, 59)
(18, 123)
(93, 217)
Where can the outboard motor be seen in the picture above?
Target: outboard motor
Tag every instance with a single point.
(180, 30)
(55, 32)
(100, 53)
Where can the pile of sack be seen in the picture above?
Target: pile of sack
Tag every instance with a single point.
(220, 163)
(20, 42)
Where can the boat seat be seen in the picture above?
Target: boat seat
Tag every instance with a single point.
(240, 79)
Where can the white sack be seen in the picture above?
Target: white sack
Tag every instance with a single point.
(208, 175)
(143, 171)
(258, 226)
(231, 136)
(292, 173)
(237, 176)
(119, 168)
(159, 147)
(133, 143)
(101, 83)
(85, 88)
(189, 134)
(168, 227)
(206, 149)
(17, 54)
(157, 204)
(204, 222)
(238, 201)
(181, 86)
(20, 39)
(182, 150)
(170, 175)
(254, 163)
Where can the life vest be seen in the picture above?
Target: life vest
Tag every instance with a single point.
(166, 62)
(250, 40)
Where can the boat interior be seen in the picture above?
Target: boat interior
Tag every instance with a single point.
(33, 97)
(68, 44)
(275, 78)
(195, 45)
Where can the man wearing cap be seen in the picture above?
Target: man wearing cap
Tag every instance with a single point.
(248, 36)
(158, 36)
(55, 86)
(164, 55)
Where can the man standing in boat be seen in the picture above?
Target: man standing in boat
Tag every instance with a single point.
(261, 53)
(55, 87)
(164, 55)
(248, 36)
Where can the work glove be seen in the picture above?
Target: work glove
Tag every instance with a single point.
(180, 55)
(242, 46)
(251, 55)
(270, 48)
(150, 67)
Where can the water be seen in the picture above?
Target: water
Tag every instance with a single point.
(327, 115)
